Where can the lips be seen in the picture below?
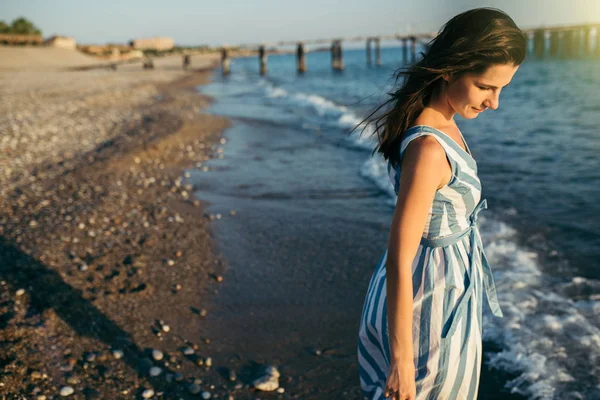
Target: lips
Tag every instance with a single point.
(477, 109)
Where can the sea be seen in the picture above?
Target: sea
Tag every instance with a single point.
(538, 158)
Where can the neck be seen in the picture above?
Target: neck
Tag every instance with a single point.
(438, 109)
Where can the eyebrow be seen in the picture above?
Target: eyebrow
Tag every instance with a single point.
(491, 86)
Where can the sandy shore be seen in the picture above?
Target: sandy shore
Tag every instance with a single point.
(104, 254)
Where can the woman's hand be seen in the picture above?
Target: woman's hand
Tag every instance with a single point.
(401, 381)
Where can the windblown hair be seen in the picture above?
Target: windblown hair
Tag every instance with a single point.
(470, 42)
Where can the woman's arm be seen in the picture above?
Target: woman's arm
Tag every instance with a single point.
(424, 169)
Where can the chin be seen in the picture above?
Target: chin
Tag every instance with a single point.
(469, 115)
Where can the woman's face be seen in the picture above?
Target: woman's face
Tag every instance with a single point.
(471, 93)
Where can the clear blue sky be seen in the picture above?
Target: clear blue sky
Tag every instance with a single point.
(191, 22)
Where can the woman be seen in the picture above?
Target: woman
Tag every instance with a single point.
(420, 330)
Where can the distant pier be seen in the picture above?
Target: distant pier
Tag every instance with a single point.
(560, 42)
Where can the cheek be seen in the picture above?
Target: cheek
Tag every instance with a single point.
(460, 96)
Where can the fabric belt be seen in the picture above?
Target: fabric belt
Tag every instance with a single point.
(476, 246)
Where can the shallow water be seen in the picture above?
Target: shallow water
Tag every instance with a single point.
(538, 162)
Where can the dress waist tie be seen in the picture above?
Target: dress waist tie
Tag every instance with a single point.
(476, 246)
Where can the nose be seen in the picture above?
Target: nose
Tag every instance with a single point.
(493, 101)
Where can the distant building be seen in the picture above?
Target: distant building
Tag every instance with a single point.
(155, 43)
(63, 42)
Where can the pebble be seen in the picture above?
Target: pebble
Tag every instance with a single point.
(232, 376)
(194, 388)
(269, 381)
(157, 355)
(155, 371)
(166, 328)
(188, 351)
(90, 357)
(147, 393)
(66, 391)
(41, 397)
(206, 395)
(203, 312)
(280, 390)
(77, 137)
(208, 362)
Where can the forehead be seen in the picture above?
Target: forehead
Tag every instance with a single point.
(498, 74)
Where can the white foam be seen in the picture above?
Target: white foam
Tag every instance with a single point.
(375, 169)
(364, 140)
(546, 338)
(274, 92)
(321, 105)
(333, 113)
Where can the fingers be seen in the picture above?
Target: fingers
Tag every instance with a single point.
(395, 395)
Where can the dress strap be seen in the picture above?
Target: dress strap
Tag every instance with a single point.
(421, 131)
(411, 134)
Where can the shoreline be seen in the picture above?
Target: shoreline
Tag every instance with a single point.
(300, 253)
(102, 242)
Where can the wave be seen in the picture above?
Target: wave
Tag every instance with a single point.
(543, 334)
(328, 111)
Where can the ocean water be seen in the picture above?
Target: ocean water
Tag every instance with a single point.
(539, 162)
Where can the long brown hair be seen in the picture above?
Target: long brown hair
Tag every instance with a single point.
(470, 42)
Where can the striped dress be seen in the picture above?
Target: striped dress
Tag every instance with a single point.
(449, 281)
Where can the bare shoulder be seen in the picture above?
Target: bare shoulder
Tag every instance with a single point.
(425, 156)
(425, 148)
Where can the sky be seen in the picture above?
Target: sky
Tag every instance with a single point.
(233, 22)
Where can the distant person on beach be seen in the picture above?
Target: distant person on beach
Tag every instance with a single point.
(420, 334)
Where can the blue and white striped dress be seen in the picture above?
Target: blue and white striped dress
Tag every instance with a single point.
(449, 281)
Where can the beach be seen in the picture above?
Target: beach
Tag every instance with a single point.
(171, 233)
(105, 254)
